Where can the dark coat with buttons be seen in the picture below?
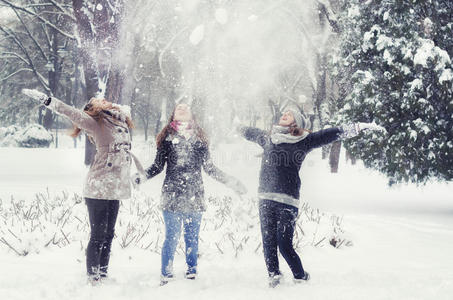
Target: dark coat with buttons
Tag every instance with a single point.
(281, 163)
(109, 174)
(183, 190)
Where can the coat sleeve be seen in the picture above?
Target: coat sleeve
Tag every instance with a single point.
(212, 170)
(78, 117)
(323, 137)
(159, 162)
(254, 135)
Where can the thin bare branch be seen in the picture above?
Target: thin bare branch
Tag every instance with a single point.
(28, 59)
(13, 54)
(14, 73)
(31, 35)
(64, 11)
(43, 20)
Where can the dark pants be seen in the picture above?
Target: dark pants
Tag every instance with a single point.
(102, 214)
(278, 221)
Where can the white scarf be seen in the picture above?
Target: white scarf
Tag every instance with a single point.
(281, 135)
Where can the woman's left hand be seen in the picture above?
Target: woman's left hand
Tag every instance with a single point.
(36, 95)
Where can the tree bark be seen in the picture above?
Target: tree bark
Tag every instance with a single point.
(334, 157)
(98, 31)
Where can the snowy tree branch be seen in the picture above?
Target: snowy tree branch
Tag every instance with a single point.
(15, 72)
(47, 22)
(27, 59)
(64, 11)
(31, 35)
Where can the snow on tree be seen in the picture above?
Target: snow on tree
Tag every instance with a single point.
(394, 60)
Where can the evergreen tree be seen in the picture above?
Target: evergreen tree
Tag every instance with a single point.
(394, 62)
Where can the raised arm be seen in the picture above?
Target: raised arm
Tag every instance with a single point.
(221, 176)
(159, 162)
(254, 135)
(323, 137)
(327, 136)
(78, 117)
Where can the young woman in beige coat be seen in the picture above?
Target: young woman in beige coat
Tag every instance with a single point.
(108, 180)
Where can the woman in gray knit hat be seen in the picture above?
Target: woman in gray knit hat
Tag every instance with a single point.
(285, 149)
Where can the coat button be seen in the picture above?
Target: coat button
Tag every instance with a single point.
(127, 131)
(119, 130)
(109, 164)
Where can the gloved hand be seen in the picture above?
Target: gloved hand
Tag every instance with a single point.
(37, 95)
(236, 186)
(371, 126)
(352, 130)
(137, 179)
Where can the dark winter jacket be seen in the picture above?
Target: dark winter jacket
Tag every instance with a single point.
(280, 165)
(183, 185)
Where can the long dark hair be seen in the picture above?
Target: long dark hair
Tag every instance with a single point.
(168, 129)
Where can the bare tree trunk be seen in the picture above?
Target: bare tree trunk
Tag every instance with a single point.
(53, 75)
(350, 157)
(334, 157)
(98, 30)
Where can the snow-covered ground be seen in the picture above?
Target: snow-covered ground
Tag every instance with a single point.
(402, 237)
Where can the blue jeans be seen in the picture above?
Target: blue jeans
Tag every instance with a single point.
(191, 222)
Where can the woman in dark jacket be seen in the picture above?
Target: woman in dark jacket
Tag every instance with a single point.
(183, 146)
(285, 149)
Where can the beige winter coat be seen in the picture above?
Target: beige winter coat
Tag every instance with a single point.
(109, 174)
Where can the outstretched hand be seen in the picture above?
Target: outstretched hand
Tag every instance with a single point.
(35, 94)
(371, 126)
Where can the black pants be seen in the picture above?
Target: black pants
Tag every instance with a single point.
(278, 221)
(102, 215)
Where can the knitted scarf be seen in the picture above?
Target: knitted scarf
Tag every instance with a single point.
(281, 135)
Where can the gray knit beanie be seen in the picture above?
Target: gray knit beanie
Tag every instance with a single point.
(299, 118)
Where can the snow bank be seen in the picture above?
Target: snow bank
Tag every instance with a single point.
(402, 235)
(32, 136)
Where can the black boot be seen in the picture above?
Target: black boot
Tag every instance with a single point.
(303, 279)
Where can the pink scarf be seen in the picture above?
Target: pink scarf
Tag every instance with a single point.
(186, 129)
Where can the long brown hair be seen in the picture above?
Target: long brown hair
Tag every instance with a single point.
(168, 129)
(297, 131)
(95, 112)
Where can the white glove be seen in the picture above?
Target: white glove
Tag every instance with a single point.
(37, 95)
(371, 126)
(236, 186)
(352, 130)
